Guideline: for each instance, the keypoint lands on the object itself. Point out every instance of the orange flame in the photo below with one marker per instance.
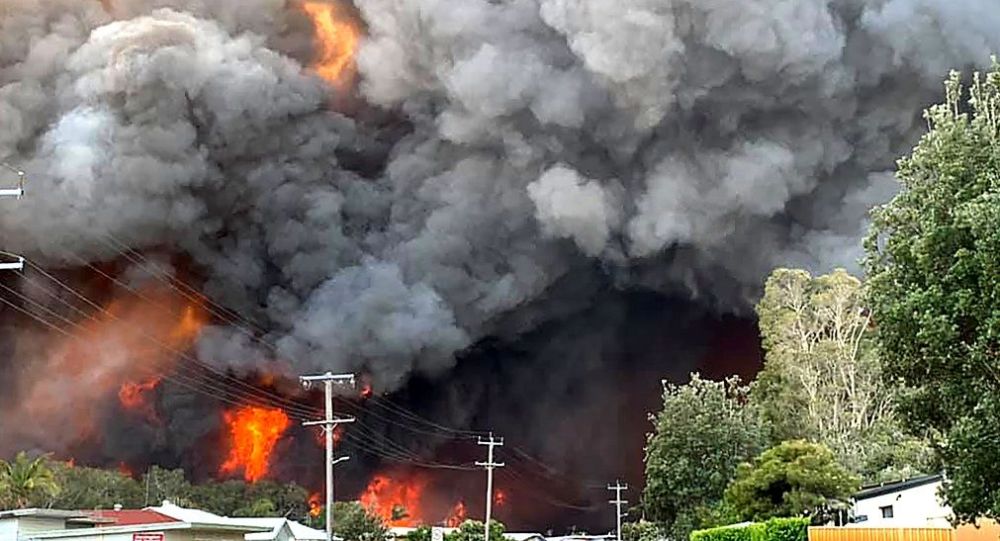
(457, 515)
(124, 469)
(315, 507)
(396, 502)
(337, 39)
(366, 390)
(133, 396)
(253, 433)
(500, 498)
(129, 339)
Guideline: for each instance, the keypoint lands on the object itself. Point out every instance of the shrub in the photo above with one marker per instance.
(775, 529)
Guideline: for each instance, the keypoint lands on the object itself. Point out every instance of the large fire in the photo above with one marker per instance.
(253, 433)
(337, 39)
(134, 339)
(396, 501)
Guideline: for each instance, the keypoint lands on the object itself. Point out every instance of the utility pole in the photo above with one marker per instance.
(16, 193)
(618, 487)
(489, 465)
(329, 422)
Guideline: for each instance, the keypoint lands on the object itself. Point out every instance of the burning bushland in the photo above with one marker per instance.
(517, 215)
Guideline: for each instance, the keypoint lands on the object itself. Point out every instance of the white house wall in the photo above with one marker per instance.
(913, 507)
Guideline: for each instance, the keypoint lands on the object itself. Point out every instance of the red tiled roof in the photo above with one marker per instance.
(130, 517)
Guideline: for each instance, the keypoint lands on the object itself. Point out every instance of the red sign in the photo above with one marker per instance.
(156, 536)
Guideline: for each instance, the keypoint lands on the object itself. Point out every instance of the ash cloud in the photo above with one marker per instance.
(680, 145)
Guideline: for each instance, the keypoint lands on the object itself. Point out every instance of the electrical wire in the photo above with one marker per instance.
(184, 381)
(233, 386)
(274, 399)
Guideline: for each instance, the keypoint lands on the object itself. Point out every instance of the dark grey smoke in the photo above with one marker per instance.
(681, 146)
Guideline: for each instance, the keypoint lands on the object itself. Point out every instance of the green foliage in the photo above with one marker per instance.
(775, 529)
(25, 480)
(422, 533)
(473, 530)
(352, 522)
(727, 533)
(642, 530)
(933, 261)
(163, 484)
(822, 379)
(794, 478)
(40, 482)
(234, 498)
(703, 433)
(93, 488)
(786, 529)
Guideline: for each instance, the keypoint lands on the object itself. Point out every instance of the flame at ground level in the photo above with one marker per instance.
(396, 501)
(315, 507)
(253, 433)
(337, 39)
(457, 516)
(406, 498)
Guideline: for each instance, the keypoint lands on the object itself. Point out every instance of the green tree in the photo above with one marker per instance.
(822, 378)
(642, 530)
(25, 480)
(793, 478)
(354, 523)
(934, 275)
(704, 431)
(164, 484)
(93, 488)
(422, 533)
(473, 530)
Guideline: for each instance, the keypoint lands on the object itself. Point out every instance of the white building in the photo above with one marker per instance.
(910, 503)
(165, 523)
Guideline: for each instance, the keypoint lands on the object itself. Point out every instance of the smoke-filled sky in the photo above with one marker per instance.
(682, 146)
(489, 167)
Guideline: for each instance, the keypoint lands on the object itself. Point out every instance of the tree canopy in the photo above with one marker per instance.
(352, 522)
(41, 482)
(24, 480)
(793, 478)
(704, 431)
(822, 378)
(933, 262)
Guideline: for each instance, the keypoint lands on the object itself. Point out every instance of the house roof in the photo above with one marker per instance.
(299, 531)
(135, 528)
(897, 486)
(518, 536)
(42, 513)
(268, 528)
(128, 517)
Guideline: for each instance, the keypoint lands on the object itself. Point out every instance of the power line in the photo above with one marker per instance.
(250, 394)
(257, 392)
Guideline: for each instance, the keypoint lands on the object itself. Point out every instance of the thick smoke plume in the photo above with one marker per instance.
(493, 158)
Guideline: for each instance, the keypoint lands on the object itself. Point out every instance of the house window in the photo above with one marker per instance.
(886, 511)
